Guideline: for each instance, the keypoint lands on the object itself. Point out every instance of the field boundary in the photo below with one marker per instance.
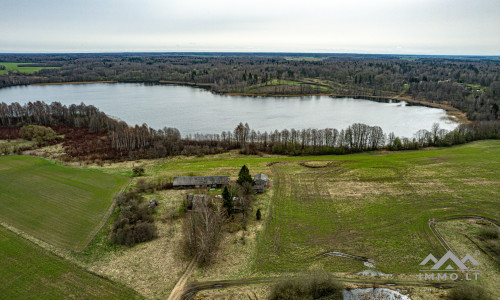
(103, 221)
(61, 254)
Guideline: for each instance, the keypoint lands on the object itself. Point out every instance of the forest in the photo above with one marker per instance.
(89, 134)
(470, 84)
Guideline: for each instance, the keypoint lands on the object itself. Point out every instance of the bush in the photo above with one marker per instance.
(468, 292)
(317, 285)
(40, 134)
(138, 171)
(135, 223)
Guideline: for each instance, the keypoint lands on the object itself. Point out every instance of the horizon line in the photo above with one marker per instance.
(249, 52)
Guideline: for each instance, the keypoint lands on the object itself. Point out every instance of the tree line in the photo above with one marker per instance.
(118, 139)
(471, 84)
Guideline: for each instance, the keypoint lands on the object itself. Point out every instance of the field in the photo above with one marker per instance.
(60, 205)
(27, 270)
(375, 205)
(19, 68)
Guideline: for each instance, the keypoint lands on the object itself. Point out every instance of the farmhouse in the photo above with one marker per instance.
(260, 182)
(195, 201)
(192, 182)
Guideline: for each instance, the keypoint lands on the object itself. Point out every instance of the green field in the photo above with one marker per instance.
(59, 205)
(375, 205)
(27, 271)
(10, 66)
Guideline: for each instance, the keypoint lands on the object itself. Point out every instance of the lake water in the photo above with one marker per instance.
(193, 110)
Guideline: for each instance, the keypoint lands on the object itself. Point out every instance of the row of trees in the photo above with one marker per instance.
(142, 141)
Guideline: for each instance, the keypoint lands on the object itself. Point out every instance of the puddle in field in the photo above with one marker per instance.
(374, 294)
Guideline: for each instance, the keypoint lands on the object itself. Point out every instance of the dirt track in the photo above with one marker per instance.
(178, 289)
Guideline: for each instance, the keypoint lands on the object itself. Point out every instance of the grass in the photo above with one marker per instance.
(59, 205)
(376, 206)
(14, 145)
(464, 237)
(17, 67)
(28, 271)
(373, 204)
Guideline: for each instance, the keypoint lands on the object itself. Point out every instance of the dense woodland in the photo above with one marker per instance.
(470, 84)
(89, 134)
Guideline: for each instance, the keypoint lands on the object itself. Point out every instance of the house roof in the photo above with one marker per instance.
(200, 180)
(260, 176)
(198, 200)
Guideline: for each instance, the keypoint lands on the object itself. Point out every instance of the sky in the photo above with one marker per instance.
(441, 27)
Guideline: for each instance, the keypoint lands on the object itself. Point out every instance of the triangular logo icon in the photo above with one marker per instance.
(449, 256)
(426, 260)
(471, 259)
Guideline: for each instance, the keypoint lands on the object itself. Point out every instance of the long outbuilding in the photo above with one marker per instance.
(191, 182)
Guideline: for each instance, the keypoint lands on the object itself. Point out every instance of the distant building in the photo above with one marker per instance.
(261, 181)
(237, 204)
(195, 201)
(192, 182)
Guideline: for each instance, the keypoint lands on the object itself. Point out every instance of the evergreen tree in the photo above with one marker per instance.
(228, 201)
(244, 176)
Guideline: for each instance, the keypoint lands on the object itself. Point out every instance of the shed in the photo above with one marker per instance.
(190, 182)
(261, 181)
(199, 200)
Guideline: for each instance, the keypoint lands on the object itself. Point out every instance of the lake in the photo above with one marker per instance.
(195, 110)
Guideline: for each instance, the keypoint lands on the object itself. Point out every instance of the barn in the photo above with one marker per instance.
(191, 182)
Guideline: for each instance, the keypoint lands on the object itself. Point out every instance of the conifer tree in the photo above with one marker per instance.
(244, 176)
(228, 201)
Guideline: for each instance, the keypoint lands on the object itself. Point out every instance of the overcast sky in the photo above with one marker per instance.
(360, 26)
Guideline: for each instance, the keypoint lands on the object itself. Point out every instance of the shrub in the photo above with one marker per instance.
(135, 223)
(40, 134)
(468, 292)
(138, 171)
(316, 285)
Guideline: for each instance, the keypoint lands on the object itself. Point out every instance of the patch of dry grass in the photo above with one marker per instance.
(458, 234)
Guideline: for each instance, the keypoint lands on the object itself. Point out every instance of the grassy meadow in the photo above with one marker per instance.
(59, 205)
(376, 206)
(17, 67)
(28, 271)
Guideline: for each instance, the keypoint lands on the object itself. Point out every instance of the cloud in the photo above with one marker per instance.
(388, 26)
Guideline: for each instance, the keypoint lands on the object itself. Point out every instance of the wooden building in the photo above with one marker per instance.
(192, 182)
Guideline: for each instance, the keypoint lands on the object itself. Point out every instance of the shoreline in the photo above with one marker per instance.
(453, 113)
(74, 82)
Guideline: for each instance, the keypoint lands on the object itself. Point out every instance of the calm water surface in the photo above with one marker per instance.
(193, 110)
